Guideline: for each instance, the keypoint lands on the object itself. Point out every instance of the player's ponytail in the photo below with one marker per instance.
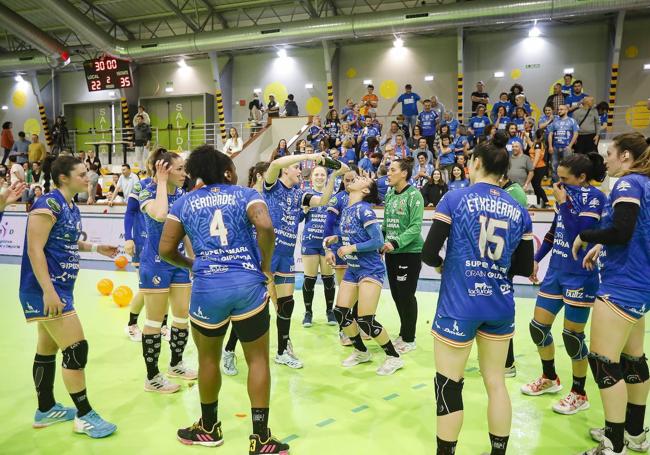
(591, 165)
(161, 154)
(494, 156)
(598, 170)
(373, 193)
(259, 169)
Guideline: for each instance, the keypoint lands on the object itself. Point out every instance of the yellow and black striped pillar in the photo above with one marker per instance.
(460, 98)
(330, 95)
(222, 117)
(127, 133)
(613, 84)
(44, 124)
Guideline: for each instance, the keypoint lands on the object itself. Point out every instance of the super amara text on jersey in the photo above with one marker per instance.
(485, 265)
(501, 208)
(212, 200)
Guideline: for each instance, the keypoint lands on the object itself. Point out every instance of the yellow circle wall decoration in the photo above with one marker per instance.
(351, 73)
(536, 113)
(388, 89)
(314, 105)
(637, 116)
(32, 125)
(278, 89)
(631, 51)
(19, 98)
(515, 74)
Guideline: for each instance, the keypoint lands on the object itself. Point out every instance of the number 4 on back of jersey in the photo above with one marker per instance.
(218, 228)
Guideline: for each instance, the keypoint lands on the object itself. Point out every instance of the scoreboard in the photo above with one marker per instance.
(107, 73)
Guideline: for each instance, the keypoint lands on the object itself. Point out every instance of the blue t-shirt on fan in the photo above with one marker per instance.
(409, 103)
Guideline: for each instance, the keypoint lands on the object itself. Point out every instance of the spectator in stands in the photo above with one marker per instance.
(36, 174)
(323, 145)
(143, 113)
(256, 113)
(503, 102)
(563, 134)
(389, 155)
(347, 110)
(479, 96)
(234, 145)
(125, 184)
(332, 127)
(301, 147)
(35, 194)
(414, 140)
(575, 99)
(437, 106)
(515, 90)
(346, 134)
(141, 140)
(422, 147)
(457, 179)
(501, 120)
(92, 158)
(368, 131)
(520, 101)
(539, 168)
(409, 102)
(382, 182)
(290, 107)
(6, 140)
(521, 167)
(93, 182)
(401, 149)
(16, 171)
(567, 88)
(427, 120)
(369, 164)
(519, 118)
(513, 136)
(460, 144)
(444, 130)
(404, 128)
(113, 187)
(315, 132)
(446, 157)
(434, 189)
(282, 150)
(273, 108)
(603, 111)
(369, 101)
(349, 153)
(588, 126)
(478, 123)
(461, 160)
(452, 122)
(60, 135)
(556, 99)
(21, 148)
(422, 170)
(36, 150)
(390, 135)
(546, 119)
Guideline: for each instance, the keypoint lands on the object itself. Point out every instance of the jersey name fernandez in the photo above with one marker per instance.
(487, 225)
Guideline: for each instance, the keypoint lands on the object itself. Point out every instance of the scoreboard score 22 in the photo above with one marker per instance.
(107, 73)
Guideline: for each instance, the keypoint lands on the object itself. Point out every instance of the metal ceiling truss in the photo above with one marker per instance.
(178, 10)
(98, 12)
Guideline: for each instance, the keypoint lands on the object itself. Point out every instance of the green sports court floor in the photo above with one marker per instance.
(322, 409)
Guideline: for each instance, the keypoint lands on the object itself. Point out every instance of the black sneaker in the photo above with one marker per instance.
(306, 321)
(198, 435)
(271, 446)
(331, 319)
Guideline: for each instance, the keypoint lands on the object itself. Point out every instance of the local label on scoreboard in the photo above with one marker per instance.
(107, 73)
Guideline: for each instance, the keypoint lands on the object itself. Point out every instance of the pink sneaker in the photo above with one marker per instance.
(571, 404)
(541, 386)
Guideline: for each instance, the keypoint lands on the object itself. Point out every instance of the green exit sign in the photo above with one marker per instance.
(533, 66)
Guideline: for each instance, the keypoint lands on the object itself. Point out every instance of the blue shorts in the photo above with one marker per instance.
(576, 293)
(630, 304)
(213, 307)
(307, 251)
(356, 275)
(460, 334)
(283, 269)
(34, 309)
(159, 279)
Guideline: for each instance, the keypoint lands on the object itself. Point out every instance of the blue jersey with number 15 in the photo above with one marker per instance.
(487, 225)
(215, 220)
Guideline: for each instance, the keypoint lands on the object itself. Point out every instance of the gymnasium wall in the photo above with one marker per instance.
(634, 82)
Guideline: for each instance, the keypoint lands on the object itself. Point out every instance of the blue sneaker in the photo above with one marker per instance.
(306, 321)
(58, 413)
(93, 425)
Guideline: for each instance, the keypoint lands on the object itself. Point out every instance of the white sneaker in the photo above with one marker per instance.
(133, 332)
(160, 384)
(405, 347)
(229, 363)
(398, 341)
(290, 350)
(356, 358)
(638, 443)
(181, 371)
(510, 372)
(571, 404)
(165, 333)
(288, 360)
(541, 386)
(604, 448)
(390, 366)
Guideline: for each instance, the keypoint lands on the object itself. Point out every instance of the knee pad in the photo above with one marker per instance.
(285, 307)
(343, 316)
(75, 356)
(574, 344)
(309, 283)
(606, 373)
(328, 281)
(541, 334)
(449, 395)
(369, 325)
(634, 369)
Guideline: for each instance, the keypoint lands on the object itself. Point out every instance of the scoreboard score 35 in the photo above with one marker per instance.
(107, 73)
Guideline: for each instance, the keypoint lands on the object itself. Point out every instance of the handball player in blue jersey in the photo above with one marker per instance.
(229, 359)
(579, 206)
(48, 273)
(232, 236)
(489, 240)
(313, 253)
(286, 202)
(135, 236)
(161, 282)
(361, 238)
(616, 356)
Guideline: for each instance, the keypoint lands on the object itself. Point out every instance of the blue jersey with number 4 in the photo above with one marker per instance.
(216, 221)
(487, 225)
